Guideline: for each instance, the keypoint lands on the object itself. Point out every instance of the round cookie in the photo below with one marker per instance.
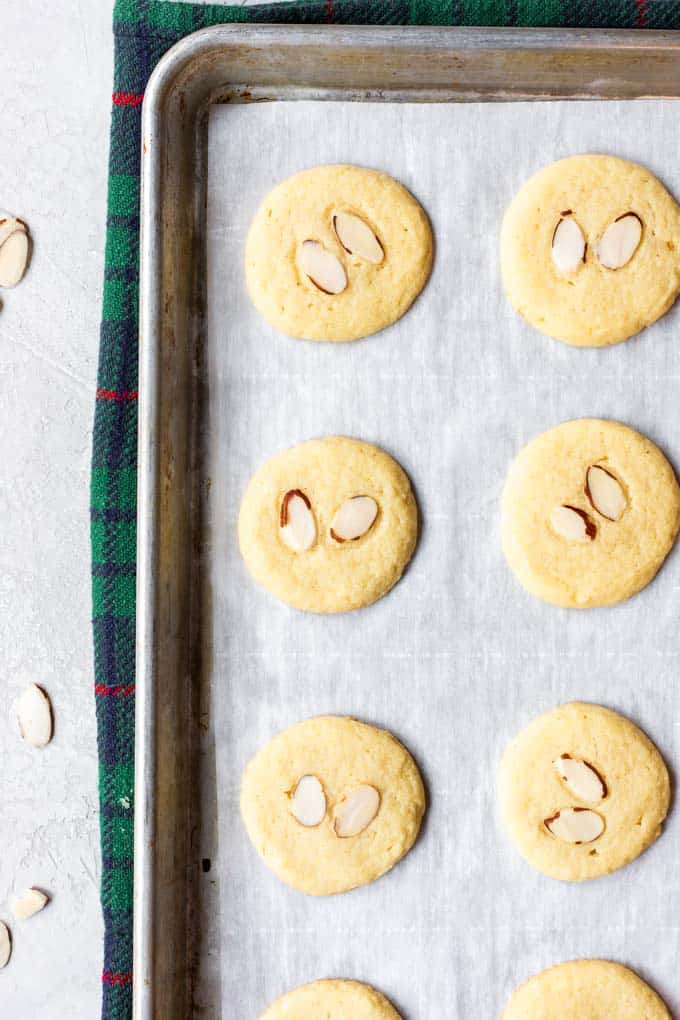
(558, 276)
(332, 1000)
(590, 511)
(331, 804)
(589, 990)
(305, 488)
(307, 223)
(584, 757)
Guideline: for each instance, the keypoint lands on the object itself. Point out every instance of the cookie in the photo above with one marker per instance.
(590, 250)
(582, 792)
(332, 1000)
(590, 511)
(329, 525)
(331, 804)
(337, 253)
(589, 990)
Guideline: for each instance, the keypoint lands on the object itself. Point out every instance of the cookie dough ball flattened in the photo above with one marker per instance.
(329, 525)
(590, 511)
(590, 250)
(332, 1000)
(337, 253)
(582, 792)
(331, 804)
(587, 990)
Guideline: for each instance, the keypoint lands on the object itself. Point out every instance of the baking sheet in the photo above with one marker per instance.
(458, 658)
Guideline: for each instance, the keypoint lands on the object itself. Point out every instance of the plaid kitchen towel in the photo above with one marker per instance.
(144, 31)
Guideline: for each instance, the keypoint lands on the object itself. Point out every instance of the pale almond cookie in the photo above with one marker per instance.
(590, 511)
(582, 792)
(332, 1000)
(586, 990)
(328, 525)
(590, 250)
(337, 253)
(331, 804)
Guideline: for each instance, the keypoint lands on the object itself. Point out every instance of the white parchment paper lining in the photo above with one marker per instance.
(458, 657)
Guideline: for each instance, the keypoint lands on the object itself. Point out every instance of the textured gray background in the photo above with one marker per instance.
(457, 658)
(55, 88)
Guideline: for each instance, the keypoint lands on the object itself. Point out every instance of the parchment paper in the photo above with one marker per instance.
(458, 658)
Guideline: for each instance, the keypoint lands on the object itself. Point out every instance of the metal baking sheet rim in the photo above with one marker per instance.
(242, 63)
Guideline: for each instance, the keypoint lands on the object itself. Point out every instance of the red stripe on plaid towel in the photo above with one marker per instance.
(109, 978)
(118, 395)
(121, 690)
(641, 14)
(127, 98)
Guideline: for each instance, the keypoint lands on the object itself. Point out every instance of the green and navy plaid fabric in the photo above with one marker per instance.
(144, 31)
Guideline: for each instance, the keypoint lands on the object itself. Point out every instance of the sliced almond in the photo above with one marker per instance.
(13, 258)
(9, 224)
(605, 492)
(620, 241)
(576, 825)
(34, 713)
(356, 811)
(572, 524)
(568, 246)
(297, 524)
(32, 902)
(581, 778)
(354, 518)
(5, 945)
(323, 268)
(357, 238)
(308, 804)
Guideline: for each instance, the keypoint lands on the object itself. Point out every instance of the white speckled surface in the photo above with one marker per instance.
(55, 83)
